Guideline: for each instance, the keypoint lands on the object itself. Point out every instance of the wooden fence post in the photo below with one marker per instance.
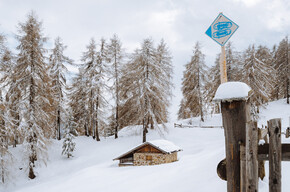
(235, 115)
(252, 157)
(275, 149)
(243, 167)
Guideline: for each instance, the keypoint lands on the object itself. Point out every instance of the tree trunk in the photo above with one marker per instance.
(58, 125)
(97, 120)
(117, 98)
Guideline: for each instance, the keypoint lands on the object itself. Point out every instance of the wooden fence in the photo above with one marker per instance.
(243, 151)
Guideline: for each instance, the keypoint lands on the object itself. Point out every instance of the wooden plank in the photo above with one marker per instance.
(235, 115)
(196, 126)
(243, 168)
(275, 153)
(263, 151)
(252, 157)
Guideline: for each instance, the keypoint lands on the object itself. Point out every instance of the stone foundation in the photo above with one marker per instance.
(153, 158)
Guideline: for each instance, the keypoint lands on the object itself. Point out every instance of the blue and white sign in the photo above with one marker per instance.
(221, 29)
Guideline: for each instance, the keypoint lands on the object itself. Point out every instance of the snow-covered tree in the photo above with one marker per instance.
(94, 74)
(57, 62)
(70, 133)
(78, 103)
(32, 78)
(115, 55)
(232, 61)
(192, 83)
(282, 65)
(211, 85)
(5, 130)
(257, 74)
(146, 86)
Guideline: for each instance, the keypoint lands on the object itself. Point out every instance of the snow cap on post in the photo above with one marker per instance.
(232, 91)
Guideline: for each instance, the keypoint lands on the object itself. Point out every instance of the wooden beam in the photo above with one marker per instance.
(235, 115)
(252, 157)
(275, 154)
(263, 152)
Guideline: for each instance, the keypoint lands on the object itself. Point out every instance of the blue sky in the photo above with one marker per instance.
(180, 22)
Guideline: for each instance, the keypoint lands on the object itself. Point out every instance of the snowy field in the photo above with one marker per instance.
(92, 168)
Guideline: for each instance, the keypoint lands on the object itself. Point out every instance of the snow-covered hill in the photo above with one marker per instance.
(92, 168)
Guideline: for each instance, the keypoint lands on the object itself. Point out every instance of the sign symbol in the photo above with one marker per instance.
(222, 25)
(221, 29)
(221, 33)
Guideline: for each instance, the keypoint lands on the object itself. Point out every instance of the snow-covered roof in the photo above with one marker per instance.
(164, 146)
(232, 91)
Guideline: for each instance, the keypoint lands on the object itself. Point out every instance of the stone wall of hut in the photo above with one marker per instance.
(153, 158)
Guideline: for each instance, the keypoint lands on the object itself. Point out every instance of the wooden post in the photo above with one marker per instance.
(235, 114)
(243, 167)
(252, 157)
(223, 66)
(275, 149)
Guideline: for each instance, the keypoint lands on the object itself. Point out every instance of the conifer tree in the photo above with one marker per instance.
(146, 85)
(32, 78)
(12, 97)
(211, 85)
(94, 74)
(5, 131)
(70, 133)
(115, 54)
(78, 103)
(257, 74)
(193, 79)
(57, 61)
(232, 59)
(282, 65)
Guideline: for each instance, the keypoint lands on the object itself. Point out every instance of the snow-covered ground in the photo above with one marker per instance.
(92, 168)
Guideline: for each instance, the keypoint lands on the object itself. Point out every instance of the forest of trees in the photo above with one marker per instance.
(39, 104)
(266, 71)
(113, 89)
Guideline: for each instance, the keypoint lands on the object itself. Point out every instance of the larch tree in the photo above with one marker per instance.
(94, 73)
(163, 87)
(70, 133)
(90, 59)
(192, 83)
(32, 78)
(57, 61)
(232, 60)
(282, 65)
(77, 95)
(257, 74)
(115, 56)
(5, 130)
(146, 85)
(211, 85)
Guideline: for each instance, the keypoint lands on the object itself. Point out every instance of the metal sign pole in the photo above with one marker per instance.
(223, 66)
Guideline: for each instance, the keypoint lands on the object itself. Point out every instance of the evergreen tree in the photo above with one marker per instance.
(257, 74)
(70, 132)
(232, 60)
(77, 103)
(282, 65)
(146, 85)
(32, 78)
(94, 74)
(211, 85)
(57, 61)
(193, 79)
(115, 54)
(5, 131)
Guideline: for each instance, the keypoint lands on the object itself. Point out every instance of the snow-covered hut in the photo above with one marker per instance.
(150, 153)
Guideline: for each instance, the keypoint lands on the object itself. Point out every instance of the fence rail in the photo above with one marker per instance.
(176, 125)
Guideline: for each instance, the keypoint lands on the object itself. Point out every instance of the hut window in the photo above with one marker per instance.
(148, 158)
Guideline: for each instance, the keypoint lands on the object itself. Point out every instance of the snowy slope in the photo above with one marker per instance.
(92, 169)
